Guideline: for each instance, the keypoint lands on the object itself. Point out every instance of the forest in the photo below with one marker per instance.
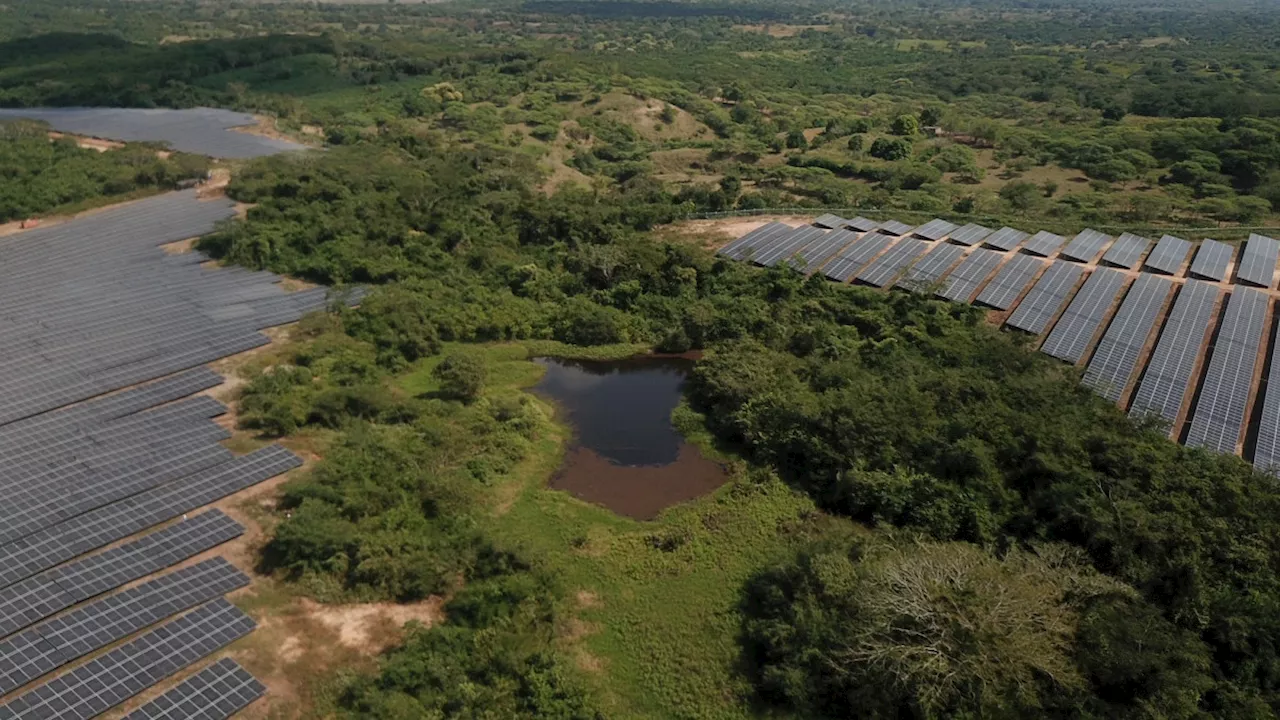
(924, 519)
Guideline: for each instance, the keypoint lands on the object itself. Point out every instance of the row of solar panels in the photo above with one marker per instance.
(1113, 323)
(811, 248)
(103, 342)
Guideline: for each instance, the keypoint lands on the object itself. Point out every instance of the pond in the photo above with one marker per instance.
(625, 453)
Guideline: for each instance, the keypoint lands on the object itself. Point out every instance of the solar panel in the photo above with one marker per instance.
(215, 693)
(1169, 255)
(738, 249)
(926, 273)
(886, 268)
(780, 249)
(893, 227)
(1006, 238)
(1258, 261)
(110, 679)
(848, 261)
(1085, 246)
(970, 234)
(1218, 419)
(1164, 387)
(861, 224)
(823, 249)
(829, 221)
(1009, 283)
(935, 229)
(1044, 243)
(964, 281)
(46, 647)
(1039, 307)
(1211, 260)
(1266, 454)
(1080, 322)
(1116, 359)
(1127, 251)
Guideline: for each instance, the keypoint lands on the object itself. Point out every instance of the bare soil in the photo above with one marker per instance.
(638, 492)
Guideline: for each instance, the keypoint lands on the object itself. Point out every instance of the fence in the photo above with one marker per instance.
(1217, 231)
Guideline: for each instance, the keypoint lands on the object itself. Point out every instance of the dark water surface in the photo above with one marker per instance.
(625, 453)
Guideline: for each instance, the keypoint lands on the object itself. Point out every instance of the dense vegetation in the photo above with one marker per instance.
(969, 533)
(38, 175)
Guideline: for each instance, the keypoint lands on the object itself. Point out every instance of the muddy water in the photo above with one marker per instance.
(625, 454)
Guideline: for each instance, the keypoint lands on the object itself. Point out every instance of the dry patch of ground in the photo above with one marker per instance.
(780, 31)
(89, 143)
(716, 233)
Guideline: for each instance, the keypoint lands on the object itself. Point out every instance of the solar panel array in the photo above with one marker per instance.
(895, 255)
(1116, 360)
(1126, 251)
(1039, 307)
(1164, 387)
(1169, 255)
(104, 336)
(1043, 243)
(781, 248)
(970, 234)
(112, 678)
(740, 249)
(1219, 415)
(1006, 238)
(886, 268)
(964, 281)
(1072, 334)
(1085, 246)
(1211, 260)
(204, 131)
(1258, 261)
(861, 224)
(893, 227)
(1009, 283)
(1266, 454)
(925, 273)
(215, 693)
(935, 229)
(829, 221)
(848, 261)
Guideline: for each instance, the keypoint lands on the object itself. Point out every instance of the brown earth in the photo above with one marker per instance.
(639, 492)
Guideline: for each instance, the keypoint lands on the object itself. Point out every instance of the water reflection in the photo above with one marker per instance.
(625, 453)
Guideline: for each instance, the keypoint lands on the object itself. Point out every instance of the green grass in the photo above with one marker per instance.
(655, 633)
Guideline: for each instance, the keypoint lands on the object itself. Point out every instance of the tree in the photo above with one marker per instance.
(1021, 195)
(905, 125)
(887, 148)
(856, 143)
(926, 630)
(797, 140)
(931, 116)
(461, 376)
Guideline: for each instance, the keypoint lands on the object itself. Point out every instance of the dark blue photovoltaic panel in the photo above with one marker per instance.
(849, 261)
(936, 229)
(1218, 420)
(1258, 261)
(1211, 260)
(829, 221)
(888, 266)
(1116, 360)
(964, 281)
(1080, 322)
(1039, 307)
(970, 234)
(739, 248)
(929, 269)
(1006, 238)
(1166, 383)
(1043, 243)
(1127, 251)
(1085, 246)
(1009, 283)
(1168, 256)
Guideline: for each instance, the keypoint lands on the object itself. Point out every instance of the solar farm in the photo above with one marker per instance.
(113, 461)
(1169, 328)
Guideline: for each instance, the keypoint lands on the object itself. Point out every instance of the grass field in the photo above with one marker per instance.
(655, 601)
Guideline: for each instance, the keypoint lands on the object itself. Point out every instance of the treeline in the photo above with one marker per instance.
(39, 175)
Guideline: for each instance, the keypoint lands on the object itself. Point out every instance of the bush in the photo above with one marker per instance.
(891, 148)
(461, 376)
